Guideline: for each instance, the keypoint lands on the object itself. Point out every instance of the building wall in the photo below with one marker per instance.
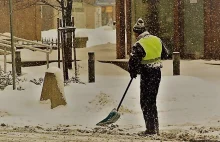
(212, 29)
(79, 14)
(86, 15)
(166, 20)
(26, 19)
(90, 16)
(98, 17)
(193, 24)
(48, 18)
(194, 28)
(108, 15)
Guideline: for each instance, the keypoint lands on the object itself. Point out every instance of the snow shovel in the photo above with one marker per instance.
(114, 115)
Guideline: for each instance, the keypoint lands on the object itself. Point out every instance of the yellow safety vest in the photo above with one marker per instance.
(153, 47)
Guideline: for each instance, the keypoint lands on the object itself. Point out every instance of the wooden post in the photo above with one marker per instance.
(74, 49)
(58, 39)
(52, 42)
(176, 63)
(128, 29)
(120, 29)
(91, 67)
(5, 60)
(18, 62)
(48, 58)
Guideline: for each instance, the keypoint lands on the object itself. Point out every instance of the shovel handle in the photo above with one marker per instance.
(124, 94)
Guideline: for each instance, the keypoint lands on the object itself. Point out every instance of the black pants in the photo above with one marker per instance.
(149, 85)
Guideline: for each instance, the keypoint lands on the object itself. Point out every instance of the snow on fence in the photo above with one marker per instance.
(79, 42)
(4, 42)
(50, 42)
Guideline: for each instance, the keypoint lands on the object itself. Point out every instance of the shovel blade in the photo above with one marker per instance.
(113, 116)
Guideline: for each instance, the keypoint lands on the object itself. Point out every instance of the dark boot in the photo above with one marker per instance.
(146, 133)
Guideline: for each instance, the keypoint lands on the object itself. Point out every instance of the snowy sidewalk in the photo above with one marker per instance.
(184, 103)
(197, 68)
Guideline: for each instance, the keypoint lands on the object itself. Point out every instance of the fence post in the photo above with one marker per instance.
(5, 60)
(91, 67)
(18, 62)
(176, 63)
(52, 42)
(48, 58)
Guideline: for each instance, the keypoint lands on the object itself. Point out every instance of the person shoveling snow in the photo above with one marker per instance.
(145, 59)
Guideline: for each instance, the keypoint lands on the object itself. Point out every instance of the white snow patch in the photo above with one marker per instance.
(98, 36)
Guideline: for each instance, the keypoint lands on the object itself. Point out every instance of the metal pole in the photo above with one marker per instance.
(74, 48)
(58, 41)
(12, 44)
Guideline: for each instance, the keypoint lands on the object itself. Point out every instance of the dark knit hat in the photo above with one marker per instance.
(139, 26)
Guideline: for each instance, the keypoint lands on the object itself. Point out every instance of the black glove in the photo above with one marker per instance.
(133, 74)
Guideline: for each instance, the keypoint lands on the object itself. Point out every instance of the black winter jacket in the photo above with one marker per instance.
(137, 53)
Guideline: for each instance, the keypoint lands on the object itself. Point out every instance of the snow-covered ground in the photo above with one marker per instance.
(101, 35)
(188, 107)
(184, 103)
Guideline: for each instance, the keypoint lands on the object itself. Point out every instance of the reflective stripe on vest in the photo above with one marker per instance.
(153, 48)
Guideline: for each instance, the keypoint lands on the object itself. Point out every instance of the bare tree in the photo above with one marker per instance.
(65, 6)
(153, 17)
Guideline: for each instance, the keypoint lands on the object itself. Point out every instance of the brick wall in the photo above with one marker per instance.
(26, 19)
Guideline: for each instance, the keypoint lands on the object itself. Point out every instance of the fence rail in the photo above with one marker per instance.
(31, 45)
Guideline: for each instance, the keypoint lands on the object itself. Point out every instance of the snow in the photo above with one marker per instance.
(98, 36)
(183, 101)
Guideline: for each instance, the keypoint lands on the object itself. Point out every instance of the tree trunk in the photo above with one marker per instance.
(153, 18)
(120, 29)
(69, 35)
(178, 27)
(64, 45)
(128, 29)
(67, 16)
